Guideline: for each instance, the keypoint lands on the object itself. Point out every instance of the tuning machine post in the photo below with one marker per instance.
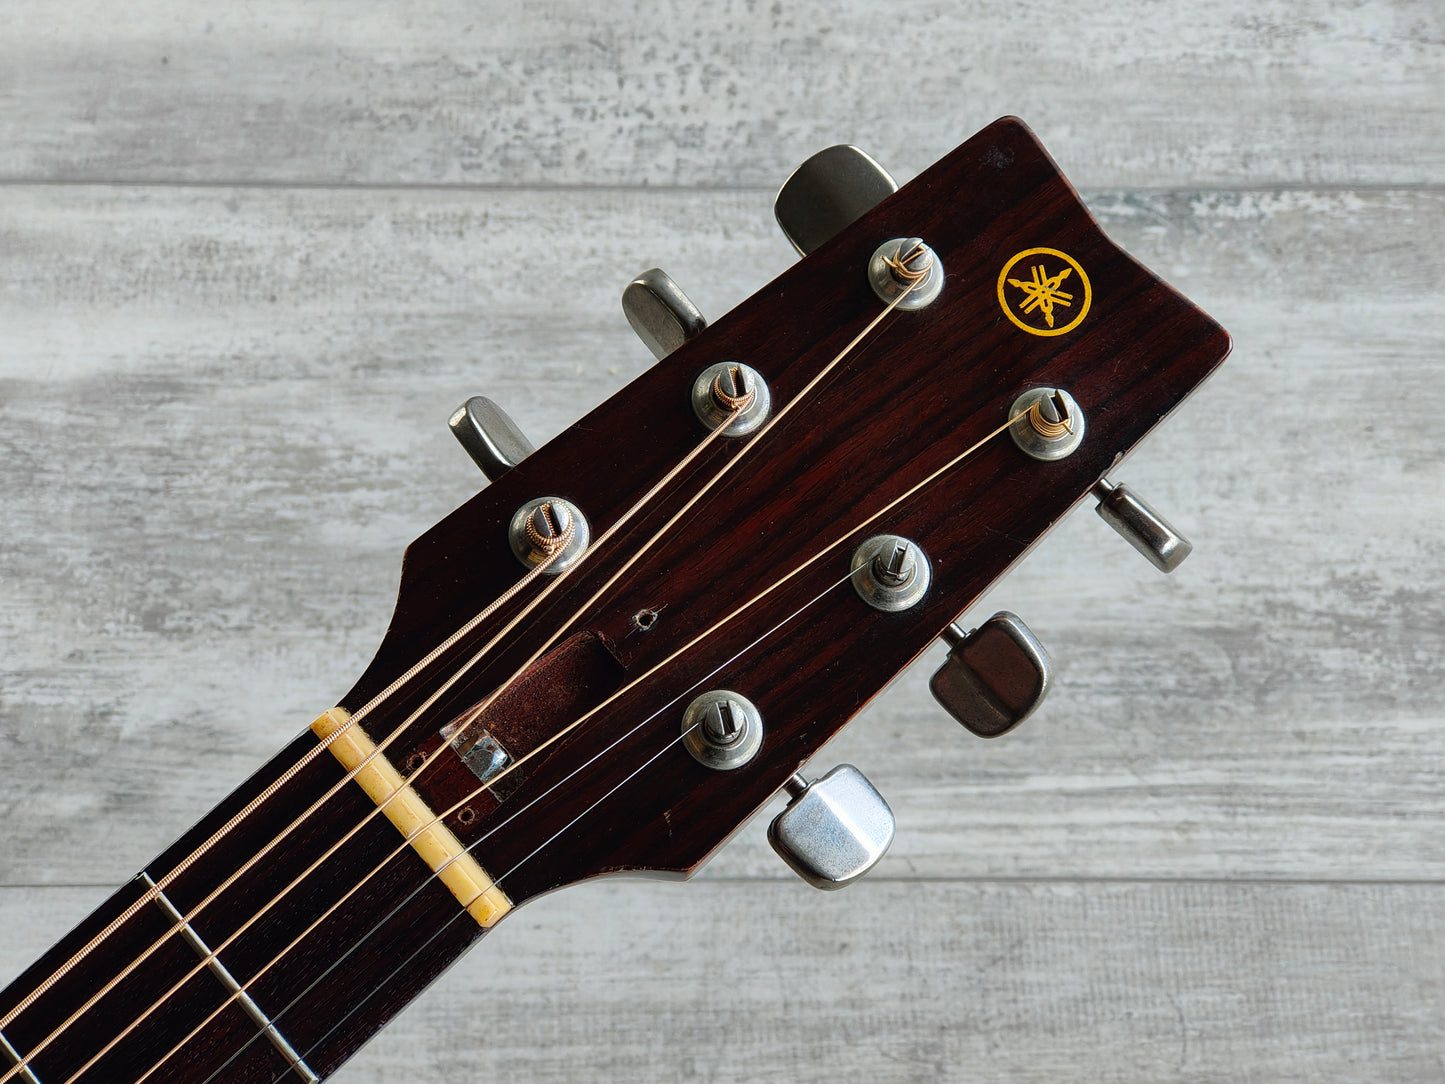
(890, 573)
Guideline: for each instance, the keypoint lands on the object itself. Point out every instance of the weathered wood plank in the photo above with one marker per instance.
(193, 379)
(1230, 93)
(917, 982)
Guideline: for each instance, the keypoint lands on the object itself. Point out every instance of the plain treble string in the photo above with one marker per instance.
(151, 894)
(951, 464)
(451, 921)
(381, 923)
(912, 275)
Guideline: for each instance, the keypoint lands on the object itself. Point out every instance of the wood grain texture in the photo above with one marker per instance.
(160, 524)
(1237, 92)
(1020, 982)
(191, 376)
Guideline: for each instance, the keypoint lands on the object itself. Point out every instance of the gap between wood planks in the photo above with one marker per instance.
(443, 186)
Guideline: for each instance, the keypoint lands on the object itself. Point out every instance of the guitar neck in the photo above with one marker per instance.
(157, 942)
(269, 942)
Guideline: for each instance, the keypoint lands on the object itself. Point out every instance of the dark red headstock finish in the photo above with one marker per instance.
(734, 575)
(620, 792)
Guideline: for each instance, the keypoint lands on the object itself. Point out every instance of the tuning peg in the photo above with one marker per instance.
(995, 675)
(834, 830)
(1142, 527)
(489, 435)
(829, 191)
(662, 315)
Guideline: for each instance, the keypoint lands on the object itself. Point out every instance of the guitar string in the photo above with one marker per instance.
(487, 702)
(475, 793)
(912, 276)
(901, 265)
(446, 925)
(379, 925)
(555, 546)
(438, 933)
(164, 882)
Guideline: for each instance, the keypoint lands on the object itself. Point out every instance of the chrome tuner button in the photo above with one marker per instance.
(903, 262)
(662, 315)
(720, 389)
(1051, 426)
(995, 675)
(1142, 527)
(722, 729)
(834, 830)
(890, 573)
(829, 192)
(539, 521)
(489, 435)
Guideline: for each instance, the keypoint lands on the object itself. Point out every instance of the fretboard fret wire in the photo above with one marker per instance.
(13, 1060)
(238, 993)
(912, 491)
(714, 479)
(351, 774)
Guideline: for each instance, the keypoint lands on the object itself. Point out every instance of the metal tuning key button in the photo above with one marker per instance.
(834, 830)
(995, 675)
(829, 192)
(487, 432)
(662, 315)
(1142, 527)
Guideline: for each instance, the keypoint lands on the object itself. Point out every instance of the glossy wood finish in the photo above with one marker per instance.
(366, 981)
(925, 386)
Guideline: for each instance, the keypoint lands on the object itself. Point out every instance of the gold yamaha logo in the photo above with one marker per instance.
(1044, 291)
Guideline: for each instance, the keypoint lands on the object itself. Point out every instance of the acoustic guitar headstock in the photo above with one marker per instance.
(745, 544)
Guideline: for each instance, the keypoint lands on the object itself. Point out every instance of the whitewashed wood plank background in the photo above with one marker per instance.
(246, 269)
